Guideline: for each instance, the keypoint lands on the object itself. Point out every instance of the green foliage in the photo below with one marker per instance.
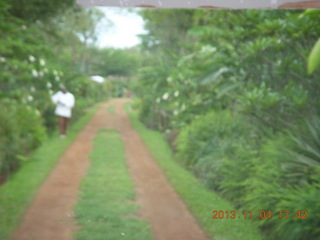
(314, 58)
(115, 62)
(167, 29)
(305, 155)
(153, 78)
(228, 157)
(304, 198)
(256, 66)
(21, 132)
(38, 9)
(264, 182)
(272, 109)
(37, 55)
(250, 65)
(209, 141)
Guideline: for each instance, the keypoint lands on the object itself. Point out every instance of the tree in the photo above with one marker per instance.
(116, 62)
(33, 10)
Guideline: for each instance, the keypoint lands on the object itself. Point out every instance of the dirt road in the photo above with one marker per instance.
(50, 216)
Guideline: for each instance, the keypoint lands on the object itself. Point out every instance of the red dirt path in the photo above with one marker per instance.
(50, 216)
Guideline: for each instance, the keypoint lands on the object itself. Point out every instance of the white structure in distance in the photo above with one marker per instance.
(97, 78)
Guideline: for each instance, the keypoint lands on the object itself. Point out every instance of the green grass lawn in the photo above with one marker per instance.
(106, 208)
(200, 201)
(18, 192)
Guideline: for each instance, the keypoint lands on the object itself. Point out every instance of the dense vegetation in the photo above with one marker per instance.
(43, 46)
(232, 92)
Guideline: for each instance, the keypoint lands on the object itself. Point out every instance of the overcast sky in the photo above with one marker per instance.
(126, 25)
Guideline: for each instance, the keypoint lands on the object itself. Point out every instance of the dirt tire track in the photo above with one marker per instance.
(50, 216)
(160, 204)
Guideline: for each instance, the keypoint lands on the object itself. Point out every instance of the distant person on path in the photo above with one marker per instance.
(64, 101)
(128, 92)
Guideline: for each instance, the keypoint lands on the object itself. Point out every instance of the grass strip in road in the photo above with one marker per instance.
(17, 193)
(106, 208)
(199, 200)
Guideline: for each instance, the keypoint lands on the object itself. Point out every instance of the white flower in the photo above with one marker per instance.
(57, 78)
(30, 98)
(51, 92)
(176, 93)
(169, 79)
(175, 112)
(183, 107)
(32, 89)
(24, 27)
(279, 41)
(122, 234)
(165, 96)
(42, 62)
(55, 72)
(49, 85)
(35, 73)
(2, 59)
(32, 58)
(158, 100)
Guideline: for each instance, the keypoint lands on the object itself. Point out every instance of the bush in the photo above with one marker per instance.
(265, 181)
(258, 174)
(154, 117)
(21, 131)
(295, 199)
(270, 186)
(206, 144)
(305, 153)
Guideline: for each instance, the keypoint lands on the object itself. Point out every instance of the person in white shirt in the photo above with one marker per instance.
(64, 101)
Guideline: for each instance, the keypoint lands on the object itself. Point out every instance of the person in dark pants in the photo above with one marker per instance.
(64, 101)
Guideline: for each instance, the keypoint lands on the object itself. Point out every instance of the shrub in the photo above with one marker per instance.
(206, 144)
(236, 170)
(305, 153)
(295, 199)
(270, 186)
(258, 174)
(21, 131)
